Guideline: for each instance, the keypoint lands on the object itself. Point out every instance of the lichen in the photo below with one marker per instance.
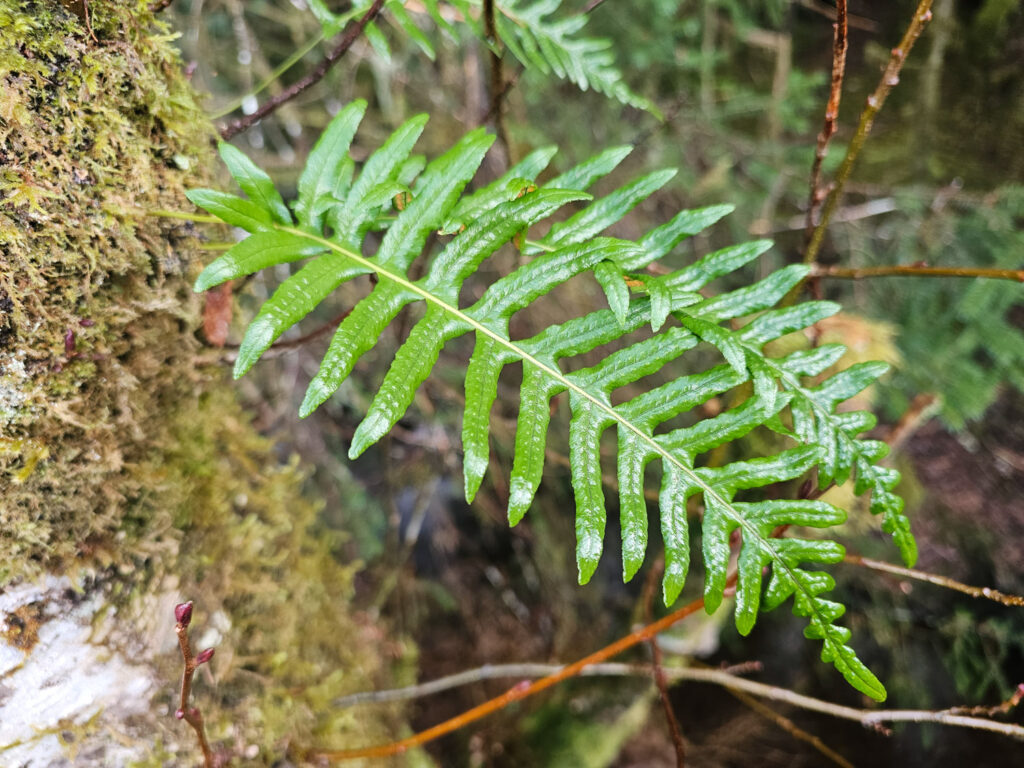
(124, 456)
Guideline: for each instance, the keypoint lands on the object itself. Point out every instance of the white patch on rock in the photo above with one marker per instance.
(69, 685)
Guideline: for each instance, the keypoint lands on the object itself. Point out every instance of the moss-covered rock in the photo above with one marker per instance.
(126, 466)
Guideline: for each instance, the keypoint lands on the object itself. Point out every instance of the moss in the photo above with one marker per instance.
(123, 454)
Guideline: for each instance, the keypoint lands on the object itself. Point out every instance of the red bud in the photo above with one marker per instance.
(204, 656)
(180, 714)
(183, 613)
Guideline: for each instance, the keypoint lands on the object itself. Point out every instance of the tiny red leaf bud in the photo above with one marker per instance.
(180, 714)
(204, 656)
(183, 613)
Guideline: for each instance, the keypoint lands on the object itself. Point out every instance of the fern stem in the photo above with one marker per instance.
(711, 496)
(916, 270)
(162, 214)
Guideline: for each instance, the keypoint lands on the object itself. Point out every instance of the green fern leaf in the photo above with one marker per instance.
(557, 46)
(334, 214)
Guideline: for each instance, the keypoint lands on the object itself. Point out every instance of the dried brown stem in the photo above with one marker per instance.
(874, 719)
(932, 578)
(521, 671)
(660, 681)
(159, 5)
(916, 270)
(498, 86)
(519, 691)
(890, 77)
(840, 44)
(191, 715)
(790, 727)
(352, 33)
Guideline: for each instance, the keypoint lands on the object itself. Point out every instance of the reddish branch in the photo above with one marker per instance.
(840, 44)
(917, 270)
(890, 77)
(191, 715)
(521, 691)
(498, 85)
(352, 34)
(159, 5)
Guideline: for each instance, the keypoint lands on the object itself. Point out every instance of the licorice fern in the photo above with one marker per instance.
(337, 208)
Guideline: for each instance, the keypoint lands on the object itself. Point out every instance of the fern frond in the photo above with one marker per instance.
(530, 31)
(555, 45)
(338, 207)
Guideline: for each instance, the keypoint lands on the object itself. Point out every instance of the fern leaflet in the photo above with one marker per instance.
(336, 210)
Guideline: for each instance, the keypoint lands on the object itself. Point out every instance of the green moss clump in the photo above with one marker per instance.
(123, 454)
(96, 346)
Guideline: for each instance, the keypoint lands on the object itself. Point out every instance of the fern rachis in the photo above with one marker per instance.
(336, 210)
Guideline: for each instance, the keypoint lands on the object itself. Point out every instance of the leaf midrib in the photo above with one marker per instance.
(565, 381)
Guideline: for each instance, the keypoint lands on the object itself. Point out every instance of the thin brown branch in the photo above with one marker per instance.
(999, 709)
(869, 718)
(352, 33)
(916, 270)
(660, 681)
(890, 77)
(791, 728)
(191, 715)
(521, 671)
(520, 691)
(498, 86)
(840, 44)
(159, 5)
(932, 578)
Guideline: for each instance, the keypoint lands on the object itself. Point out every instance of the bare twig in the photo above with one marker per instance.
(660, 681)
(999, 709)
(991, 594)
(790, 727)
(520, 691)
(874, 719)
(352, 33)
(916, 270)
(890, 77)
(498, 85)
(840, 44)
(159, 5)
(503, 671)
(191, 715)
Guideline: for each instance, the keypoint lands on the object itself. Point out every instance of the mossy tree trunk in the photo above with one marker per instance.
(130, 479)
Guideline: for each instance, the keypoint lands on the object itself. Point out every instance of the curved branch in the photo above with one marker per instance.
(518, 692)
(868, 718)
(994, 595)
(351, 35)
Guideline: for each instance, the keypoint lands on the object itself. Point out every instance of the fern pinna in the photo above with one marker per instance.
(328, 226)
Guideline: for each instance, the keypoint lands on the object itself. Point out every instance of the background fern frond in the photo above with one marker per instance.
(555, 45)
(337, 208)
(539, 34)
